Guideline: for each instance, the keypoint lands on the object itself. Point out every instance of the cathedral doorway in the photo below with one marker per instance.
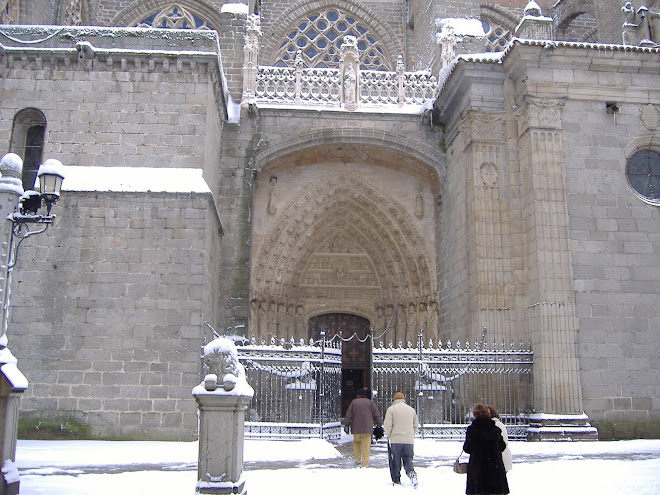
(356, 350)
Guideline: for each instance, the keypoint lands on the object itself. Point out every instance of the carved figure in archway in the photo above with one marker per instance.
(272, 207)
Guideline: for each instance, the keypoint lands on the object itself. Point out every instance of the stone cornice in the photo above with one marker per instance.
(39, 47)
(115, 49)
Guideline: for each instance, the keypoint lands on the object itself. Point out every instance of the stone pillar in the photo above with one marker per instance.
(250, 58)
(551, 307)
(490, 267)
(534, 25)
(12, 381)
(222, 399)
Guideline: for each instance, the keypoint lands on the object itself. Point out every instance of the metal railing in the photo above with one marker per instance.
(444, 383)
(298, 385)
(297, 390)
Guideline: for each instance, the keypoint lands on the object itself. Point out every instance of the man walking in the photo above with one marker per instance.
(400, 427)
(361, 416)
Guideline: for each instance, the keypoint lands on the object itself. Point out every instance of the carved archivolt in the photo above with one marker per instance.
(342, 245)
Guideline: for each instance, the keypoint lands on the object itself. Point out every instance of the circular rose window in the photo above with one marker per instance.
(643, 173)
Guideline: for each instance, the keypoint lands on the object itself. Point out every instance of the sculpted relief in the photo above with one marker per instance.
(340, 245)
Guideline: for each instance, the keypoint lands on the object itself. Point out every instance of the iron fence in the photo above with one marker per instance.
(296, 389)
(444, 382)
(298, 385)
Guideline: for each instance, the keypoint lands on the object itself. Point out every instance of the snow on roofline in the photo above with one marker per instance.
(134, 179)
(497, 57)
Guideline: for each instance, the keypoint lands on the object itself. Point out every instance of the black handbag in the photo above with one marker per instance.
(379, 432)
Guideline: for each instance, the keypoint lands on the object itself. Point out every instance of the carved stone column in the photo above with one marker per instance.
(12, 381)
(551, 307)
(490, 269)
(250, 62)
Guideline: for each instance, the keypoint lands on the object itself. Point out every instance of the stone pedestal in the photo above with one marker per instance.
(12, 384)
(220, 464)
(222, 398)
(564, 427)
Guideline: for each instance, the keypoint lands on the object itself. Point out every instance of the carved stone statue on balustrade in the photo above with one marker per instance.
(653, 17)
(250, 53)
(641, 26)
(349, 67)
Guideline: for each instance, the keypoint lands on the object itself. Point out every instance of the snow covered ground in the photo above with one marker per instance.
(322, 468)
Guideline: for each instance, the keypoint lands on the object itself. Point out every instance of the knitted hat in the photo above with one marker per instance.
(362, 393)
(398, 395)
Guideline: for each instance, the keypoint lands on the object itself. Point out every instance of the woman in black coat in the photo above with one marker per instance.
(483, 441)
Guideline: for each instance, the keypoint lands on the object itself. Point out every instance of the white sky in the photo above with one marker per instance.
(541, 468)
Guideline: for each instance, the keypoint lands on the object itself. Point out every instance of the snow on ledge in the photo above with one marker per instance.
(234, 8)
(14, 376)
(134, 179)
(557, 417)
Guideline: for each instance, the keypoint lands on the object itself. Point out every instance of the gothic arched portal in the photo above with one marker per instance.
(341, 244)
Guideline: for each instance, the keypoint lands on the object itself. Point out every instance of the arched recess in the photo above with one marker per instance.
(137, 11)
(28, 137)
(366, 146)
(278, 29)
(574, 20)
(343, 245)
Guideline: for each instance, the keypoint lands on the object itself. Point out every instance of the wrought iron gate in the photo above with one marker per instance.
(444, 383)
(296, 389)
(298, 385)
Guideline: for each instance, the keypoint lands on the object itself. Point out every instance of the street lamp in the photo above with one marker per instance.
(24, 207)
(51, 176)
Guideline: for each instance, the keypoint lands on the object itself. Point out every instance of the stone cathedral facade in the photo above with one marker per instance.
(271, 168)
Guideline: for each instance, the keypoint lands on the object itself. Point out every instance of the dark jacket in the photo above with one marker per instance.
(486, 473)
(361, 416)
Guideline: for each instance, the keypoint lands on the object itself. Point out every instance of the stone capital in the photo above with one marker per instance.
(539, 113)
(483, 127)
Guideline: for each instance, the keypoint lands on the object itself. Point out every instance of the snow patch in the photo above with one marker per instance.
(134, 179)
(14, 376)
(10, 472)
(234, 8)
(459, 27)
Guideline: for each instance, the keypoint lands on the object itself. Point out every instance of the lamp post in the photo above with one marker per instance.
(24, 213)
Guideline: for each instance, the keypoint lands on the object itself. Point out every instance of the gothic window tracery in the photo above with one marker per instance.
(173, 17)
(8, 11)
(497, 37)
(73, 15)
(319, 37)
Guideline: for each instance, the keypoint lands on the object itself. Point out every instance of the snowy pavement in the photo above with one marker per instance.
(324, 468)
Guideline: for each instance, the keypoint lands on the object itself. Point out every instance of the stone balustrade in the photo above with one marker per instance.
(323, 87)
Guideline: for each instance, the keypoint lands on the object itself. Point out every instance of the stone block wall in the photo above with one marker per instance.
(615, 246)
(108, 312)
(114, 109)
(231, 41)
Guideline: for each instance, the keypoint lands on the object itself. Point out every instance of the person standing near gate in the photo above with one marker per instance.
(486, 474)
(361, 416)
(400, 427)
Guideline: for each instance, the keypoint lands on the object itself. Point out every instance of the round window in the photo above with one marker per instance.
(643, 173)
